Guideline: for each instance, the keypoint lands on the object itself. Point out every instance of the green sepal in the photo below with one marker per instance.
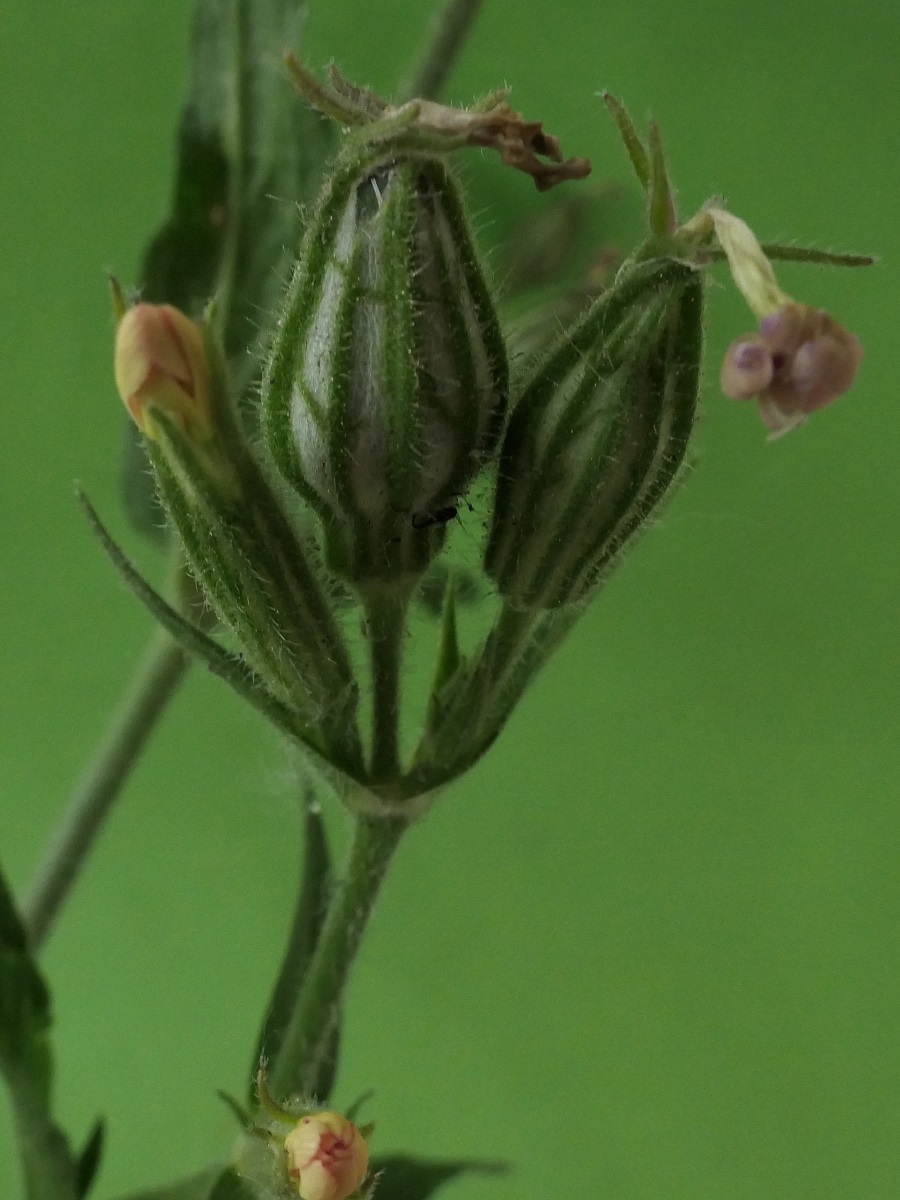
(316, 879)
(661, 202)
(404, 1177)
(48, 1165)
(89, 1159)
(779, 252)
(221, 662)
(450, 666)
(632, 140)
(388, 380)
(579, 438)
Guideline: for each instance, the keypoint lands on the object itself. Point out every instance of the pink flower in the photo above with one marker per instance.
(161, 363)
(800, 360)
(327, 1157)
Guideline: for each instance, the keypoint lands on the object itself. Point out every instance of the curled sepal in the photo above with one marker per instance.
(597, 437)
(428, 125)
(388, 381)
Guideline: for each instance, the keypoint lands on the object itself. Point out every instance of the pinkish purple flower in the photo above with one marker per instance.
(800, 360)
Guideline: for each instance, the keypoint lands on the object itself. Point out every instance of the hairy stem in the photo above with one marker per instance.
(153, 685)
(316, 1016)
(446, 37)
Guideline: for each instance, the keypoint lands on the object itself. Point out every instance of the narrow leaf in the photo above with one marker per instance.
(804, 254)
(277, 148)
(25, 1063)
(406, 1178)
(316, 876)
(89, 1160)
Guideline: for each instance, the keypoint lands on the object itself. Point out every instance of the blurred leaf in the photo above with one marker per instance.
(248, 153)
(182, 261)
(89, 1160)
(315, 885)
(433, 588)
(215, 1183)
(277, 148)
(407, 1178)
(25, 1062)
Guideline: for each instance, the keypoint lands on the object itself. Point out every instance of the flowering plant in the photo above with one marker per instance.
(309, 474)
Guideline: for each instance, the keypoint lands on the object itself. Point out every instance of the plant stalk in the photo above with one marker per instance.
(316, 1016)
(446, 37)
(155, 681)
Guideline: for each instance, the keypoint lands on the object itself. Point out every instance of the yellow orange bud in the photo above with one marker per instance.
(327, 1157)
(161, 363)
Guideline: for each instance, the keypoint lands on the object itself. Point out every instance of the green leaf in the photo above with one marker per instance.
(183, 259)
(406, 1178)
(25, 1062)
(89, 1160)
(803, 254)
(316, 880)
(202, 1186)
(277, 147)
(248, 154)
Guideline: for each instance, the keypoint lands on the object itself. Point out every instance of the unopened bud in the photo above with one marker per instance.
(388, 382)
(161, 365)
(327, 1157)
(598, 437)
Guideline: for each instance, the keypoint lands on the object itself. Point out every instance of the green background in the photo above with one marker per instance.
(649, 948)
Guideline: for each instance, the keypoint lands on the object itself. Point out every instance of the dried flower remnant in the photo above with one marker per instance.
(327, 1157)
(801, 358)
(492, 124)
(161, 363)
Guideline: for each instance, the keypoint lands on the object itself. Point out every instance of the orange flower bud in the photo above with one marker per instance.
(327, 1157)
(161, 363)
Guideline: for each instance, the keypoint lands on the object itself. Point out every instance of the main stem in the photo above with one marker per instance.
(157, 677)
(315, 1018)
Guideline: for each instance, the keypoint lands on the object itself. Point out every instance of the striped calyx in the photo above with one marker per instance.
(598, 437)
(387, 385)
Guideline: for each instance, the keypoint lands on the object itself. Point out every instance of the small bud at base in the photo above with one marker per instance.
(161, 363)
(327, 1157)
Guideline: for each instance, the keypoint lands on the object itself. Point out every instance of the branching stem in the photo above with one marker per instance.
(318, 1009)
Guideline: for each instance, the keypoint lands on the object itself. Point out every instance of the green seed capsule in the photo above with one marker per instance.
(597, 438)
(388, 385)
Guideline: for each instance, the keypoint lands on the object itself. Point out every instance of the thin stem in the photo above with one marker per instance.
(153, 685)
(445, 39)
(315, 1018)
(386, 620)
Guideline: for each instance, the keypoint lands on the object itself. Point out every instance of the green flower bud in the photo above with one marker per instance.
(387, 385)
(598, 437)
